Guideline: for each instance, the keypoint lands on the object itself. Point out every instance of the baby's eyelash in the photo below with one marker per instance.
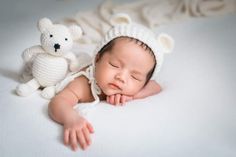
(135, 78)
(116, 66)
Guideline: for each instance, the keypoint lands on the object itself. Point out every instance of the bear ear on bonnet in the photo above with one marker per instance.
(166, 42)
(120, 18)
(44, 24)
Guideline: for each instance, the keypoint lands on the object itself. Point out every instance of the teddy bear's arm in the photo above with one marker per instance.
(73, 61)
(29, 53)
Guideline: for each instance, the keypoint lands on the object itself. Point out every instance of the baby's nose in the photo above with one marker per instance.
(121, 77)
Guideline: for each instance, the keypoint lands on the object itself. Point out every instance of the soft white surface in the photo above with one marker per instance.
(194, 115)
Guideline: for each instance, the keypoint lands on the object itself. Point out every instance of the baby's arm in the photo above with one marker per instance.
(151, 88)
(76, 128)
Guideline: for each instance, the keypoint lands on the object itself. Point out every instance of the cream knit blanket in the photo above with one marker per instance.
(151, 13)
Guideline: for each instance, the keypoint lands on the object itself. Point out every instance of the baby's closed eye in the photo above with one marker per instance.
(138, 78)
(115, 65)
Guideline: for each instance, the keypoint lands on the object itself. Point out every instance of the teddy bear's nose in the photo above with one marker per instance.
(56, 46)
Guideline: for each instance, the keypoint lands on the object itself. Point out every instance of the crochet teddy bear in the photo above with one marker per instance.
(51, 61)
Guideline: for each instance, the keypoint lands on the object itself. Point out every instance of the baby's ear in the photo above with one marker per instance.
(44, 24)
(120, 18)
(75, 31)
(166, 42)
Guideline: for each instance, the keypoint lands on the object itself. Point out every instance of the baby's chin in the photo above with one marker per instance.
(110, 92)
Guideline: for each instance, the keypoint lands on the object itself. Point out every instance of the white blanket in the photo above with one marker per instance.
(151, 13)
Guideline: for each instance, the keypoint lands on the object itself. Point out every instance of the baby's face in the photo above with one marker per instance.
(124, 69)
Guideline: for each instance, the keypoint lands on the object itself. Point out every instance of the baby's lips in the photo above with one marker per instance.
(114, 86)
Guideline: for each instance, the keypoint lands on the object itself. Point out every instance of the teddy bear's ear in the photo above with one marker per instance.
(120, 18)
(43, 24)
(166, 42)
(75, 31)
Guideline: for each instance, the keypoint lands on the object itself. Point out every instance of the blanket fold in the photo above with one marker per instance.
(151, 13)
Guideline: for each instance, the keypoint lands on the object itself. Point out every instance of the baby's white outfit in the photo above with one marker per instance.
(83, 108)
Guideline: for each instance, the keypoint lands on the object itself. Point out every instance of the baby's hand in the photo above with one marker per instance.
(76, 132)
(118, 99)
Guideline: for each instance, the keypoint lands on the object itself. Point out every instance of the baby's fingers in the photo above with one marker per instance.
(81, 139)
(73, 140)
(123, 99)
(111, 99)
(66, 137)
(117, 99)
(90, 128)
(108, 99)
(87, 136)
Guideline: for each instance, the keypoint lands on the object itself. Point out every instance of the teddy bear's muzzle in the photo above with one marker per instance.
(56, 46)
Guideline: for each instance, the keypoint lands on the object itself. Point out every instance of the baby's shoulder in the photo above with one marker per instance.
(80, 82)
(81, 87)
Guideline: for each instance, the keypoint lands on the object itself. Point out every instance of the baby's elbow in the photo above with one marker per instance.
(156, 87)
(51, 108)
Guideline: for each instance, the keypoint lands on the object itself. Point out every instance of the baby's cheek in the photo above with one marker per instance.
(132, 89)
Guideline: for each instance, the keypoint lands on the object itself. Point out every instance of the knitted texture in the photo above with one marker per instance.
(51, 61)
(48, 69)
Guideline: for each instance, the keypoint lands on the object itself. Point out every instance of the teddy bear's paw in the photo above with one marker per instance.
(26, 55)
(24, 90)
(48, 92)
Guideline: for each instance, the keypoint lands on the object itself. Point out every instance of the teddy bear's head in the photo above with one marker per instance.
(57, 39)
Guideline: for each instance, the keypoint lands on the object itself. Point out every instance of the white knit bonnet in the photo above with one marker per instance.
(122, 26)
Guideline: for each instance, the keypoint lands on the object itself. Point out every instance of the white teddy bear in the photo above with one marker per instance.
(51, 61)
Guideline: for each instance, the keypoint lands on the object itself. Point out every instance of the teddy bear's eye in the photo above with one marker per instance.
(66, 39)
(51, 35)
